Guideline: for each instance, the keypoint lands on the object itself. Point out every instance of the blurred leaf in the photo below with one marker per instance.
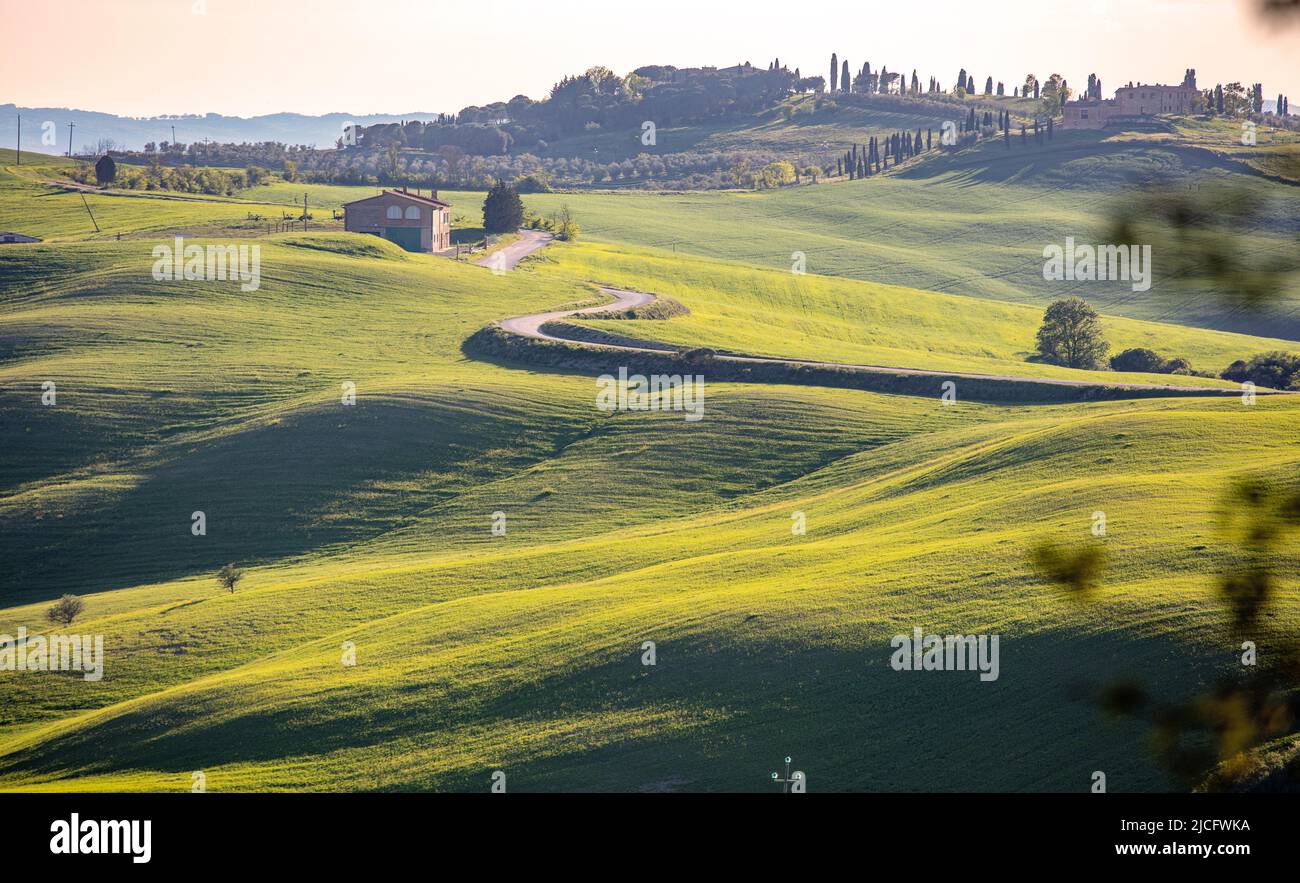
(1077, 571)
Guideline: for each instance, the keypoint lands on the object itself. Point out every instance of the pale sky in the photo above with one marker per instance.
(248, 57)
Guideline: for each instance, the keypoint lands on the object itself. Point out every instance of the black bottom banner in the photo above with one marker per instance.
(138, 832)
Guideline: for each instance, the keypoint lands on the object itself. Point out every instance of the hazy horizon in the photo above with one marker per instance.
(310, 64)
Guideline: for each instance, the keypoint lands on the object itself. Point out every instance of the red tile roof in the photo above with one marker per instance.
(423, 200)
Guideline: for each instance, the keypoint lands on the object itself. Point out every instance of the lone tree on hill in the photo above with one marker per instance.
(566, 229)
(68, 609)
(1072, 336)
(503, 210)
(228, 576)
(105, 170)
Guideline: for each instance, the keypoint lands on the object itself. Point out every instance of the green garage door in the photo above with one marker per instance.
(407, 237)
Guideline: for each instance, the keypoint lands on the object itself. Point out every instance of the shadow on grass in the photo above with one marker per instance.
(744, 698)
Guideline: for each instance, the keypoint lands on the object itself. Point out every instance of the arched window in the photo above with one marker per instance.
(412, 213)
(394, 213)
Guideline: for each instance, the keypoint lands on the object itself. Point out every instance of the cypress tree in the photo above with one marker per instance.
(835, 74)
(844, 77)
(503, 210)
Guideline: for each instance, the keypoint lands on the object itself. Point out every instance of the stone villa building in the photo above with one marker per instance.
(415, 222)
(1129, 104)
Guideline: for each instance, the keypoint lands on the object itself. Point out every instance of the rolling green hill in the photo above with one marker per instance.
(774, 313)
(975, 223)
(371, 523)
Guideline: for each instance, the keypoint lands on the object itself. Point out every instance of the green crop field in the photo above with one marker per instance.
(365, 529)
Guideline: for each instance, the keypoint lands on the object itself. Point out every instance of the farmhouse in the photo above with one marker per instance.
(415, 222)
(1129, 104)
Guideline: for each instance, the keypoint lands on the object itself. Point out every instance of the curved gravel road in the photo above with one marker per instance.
(509, 256)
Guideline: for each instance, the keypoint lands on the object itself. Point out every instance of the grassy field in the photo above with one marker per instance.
(775, 313)
(370, 523)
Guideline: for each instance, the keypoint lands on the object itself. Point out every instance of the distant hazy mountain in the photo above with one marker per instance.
(134, 132)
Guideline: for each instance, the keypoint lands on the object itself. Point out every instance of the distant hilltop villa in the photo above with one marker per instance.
(1130, 103)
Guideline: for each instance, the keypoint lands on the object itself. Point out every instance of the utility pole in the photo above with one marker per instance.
(20, 139)
(304, 211)
(70, 127)
(88, 211)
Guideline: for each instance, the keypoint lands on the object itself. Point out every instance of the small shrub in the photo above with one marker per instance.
(566, 229)
(1274, 370)
(697, 356)
(68, 609)
(1138, 359)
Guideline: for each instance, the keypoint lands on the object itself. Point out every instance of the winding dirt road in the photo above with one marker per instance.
(509, 256)
(531, 326)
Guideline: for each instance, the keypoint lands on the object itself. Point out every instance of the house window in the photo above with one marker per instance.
(1084, 114)
(394, 213)
(412, 213)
